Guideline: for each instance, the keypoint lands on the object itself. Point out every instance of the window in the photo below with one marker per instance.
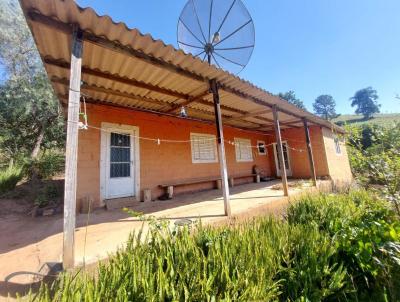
(204, 148)
(262, 149)
(337, 145)
(243, 149)
(120, 155)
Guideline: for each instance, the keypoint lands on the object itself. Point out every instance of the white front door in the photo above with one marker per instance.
(119, 161)
(285, 157)
(120, 167)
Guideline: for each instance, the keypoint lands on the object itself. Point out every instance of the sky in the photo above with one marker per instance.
(313, 47)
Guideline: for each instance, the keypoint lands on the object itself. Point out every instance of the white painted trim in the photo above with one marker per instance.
(247, 141)
(204, 161)
(265, 148)
(289, 171)
(134, 131)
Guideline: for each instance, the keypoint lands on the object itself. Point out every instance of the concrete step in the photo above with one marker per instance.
(119, 203)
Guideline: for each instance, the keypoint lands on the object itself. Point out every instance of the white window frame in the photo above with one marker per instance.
(258, 148)
(237, 145)
(210, 137)
(336, 145)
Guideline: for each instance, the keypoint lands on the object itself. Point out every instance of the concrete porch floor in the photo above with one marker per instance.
(27, 243)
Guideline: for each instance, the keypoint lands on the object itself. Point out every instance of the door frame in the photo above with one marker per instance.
(118, 128)
(289, 171)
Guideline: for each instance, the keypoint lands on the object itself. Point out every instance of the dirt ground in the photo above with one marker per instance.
(27, 243)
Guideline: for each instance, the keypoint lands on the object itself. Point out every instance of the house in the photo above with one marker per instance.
(136, 142)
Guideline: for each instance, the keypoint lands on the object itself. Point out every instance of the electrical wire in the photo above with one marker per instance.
(84, 126)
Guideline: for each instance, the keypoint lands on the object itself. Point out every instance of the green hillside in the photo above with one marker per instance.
(379, 119)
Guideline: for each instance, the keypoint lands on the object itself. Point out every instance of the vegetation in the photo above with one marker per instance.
(386, 120)
(324, 106)
(290, 96)
(330, 248)
(47, 165)
(365, 102)
(9, 178)
(374, 153)
(30, 117)
(49, 193)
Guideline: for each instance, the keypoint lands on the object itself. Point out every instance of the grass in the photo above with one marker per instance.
(379, 119)
(9, 178)
(329, 248)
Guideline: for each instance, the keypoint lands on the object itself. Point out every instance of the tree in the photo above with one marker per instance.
(324, 106)
(365, 101)
(30, 116)
(18, 52)
(290, 96)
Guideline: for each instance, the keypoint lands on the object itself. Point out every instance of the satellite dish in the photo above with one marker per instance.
(220, 32)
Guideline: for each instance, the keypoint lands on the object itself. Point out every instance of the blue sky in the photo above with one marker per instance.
(310, 46)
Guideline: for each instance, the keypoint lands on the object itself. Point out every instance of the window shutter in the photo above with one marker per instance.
(203, 148)
(243, 150)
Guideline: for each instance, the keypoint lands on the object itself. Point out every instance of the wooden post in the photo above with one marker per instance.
(71, 155)
(221, 147)
(280, 150)
(170, 192)
(309, 151)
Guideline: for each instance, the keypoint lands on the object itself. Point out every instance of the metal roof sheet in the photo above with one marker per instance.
(112, 75)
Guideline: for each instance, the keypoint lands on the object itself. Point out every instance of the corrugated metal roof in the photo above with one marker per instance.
(112, 74)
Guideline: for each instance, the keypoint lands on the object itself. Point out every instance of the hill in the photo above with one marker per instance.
(378, 119)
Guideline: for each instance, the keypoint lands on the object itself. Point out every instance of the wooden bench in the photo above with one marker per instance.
(231, 179)
(169, 187)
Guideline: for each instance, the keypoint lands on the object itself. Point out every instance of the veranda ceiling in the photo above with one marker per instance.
(123, 67)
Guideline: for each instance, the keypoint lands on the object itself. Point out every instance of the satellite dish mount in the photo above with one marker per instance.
(219, 31)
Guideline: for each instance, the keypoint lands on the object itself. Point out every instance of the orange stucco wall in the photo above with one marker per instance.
(159, 163)
(298, 156)
(338, 164)
(173, 161)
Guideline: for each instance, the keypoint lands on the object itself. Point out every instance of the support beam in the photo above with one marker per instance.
(71, 154)
(280, 150)
(91, 100)
(250, 114)
(117, 78)
(189, 101)
(112, 92)
(309, 151)
(221, 147)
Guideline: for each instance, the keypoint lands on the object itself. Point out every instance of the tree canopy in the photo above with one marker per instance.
(365, 101)
(290, 96)
(30, 115)
(324, 106)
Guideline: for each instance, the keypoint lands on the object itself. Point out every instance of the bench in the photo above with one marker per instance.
(169, 187)
(231, 179)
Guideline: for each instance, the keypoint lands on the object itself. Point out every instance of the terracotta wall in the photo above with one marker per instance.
(298, 156)
(159, 163)
(172, 161)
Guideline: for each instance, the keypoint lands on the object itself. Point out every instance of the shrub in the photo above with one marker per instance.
(374, 154)
(331, 248)
(9, 178)
(47, 194)
(366, 236)
(47, 165)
